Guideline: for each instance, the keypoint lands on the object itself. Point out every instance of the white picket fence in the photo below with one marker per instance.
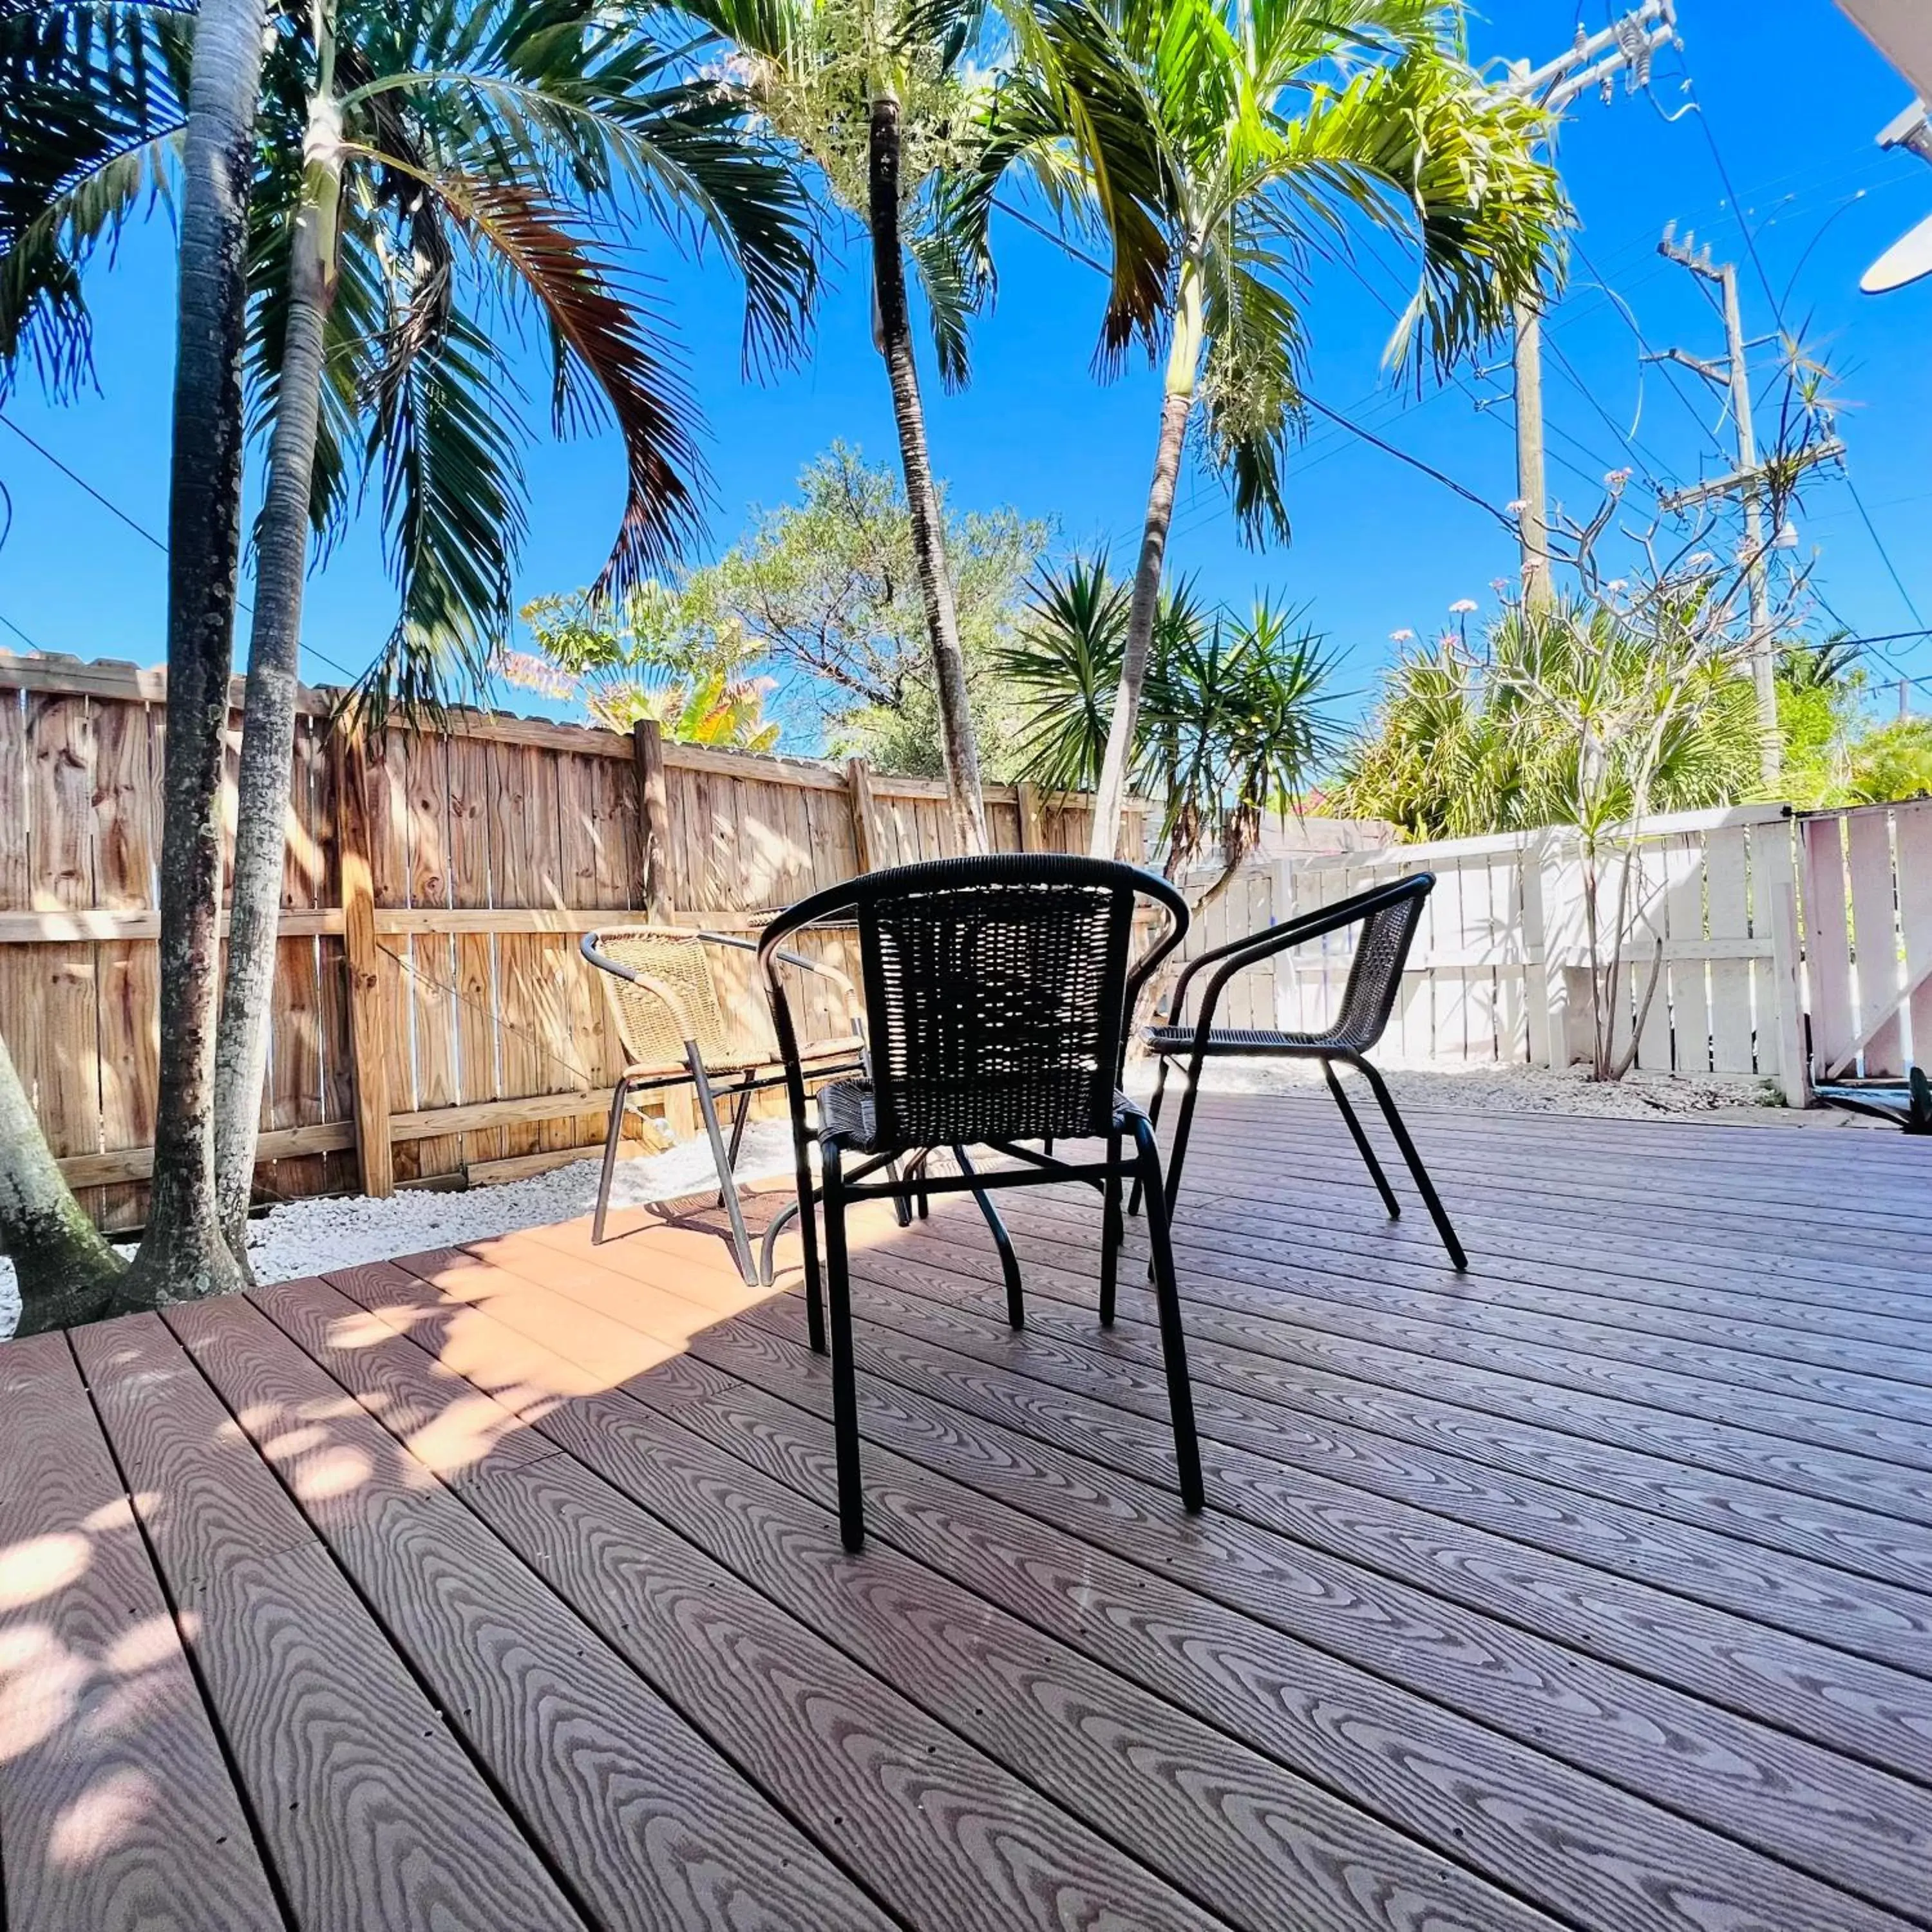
(1499, 971)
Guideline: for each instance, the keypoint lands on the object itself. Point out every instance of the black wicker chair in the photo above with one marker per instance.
(998, 991)
(1388, 915)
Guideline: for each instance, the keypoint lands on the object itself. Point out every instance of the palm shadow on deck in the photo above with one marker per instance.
(501, 1586)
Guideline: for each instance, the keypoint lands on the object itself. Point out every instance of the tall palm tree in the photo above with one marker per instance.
(883, 98)
(422, 164)
(182, 1252)
(1225, 143)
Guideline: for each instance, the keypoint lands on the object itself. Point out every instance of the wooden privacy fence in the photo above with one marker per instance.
(1499, 969)
(431, 1015)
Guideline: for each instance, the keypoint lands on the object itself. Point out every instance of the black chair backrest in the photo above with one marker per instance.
(1389, 916)
(997, 991)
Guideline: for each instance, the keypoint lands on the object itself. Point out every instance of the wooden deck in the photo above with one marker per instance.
(498, 1588)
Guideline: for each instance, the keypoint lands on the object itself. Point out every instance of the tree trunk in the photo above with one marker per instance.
(1177, 400)
(929, 535)
(183, 1255)
(274, 660)
(66, 1271)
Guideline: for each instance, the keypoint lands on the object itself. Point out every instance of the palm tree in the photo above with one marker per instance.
(882, 97)
(421, 165)
(1234, 724)
(1223, 146)
(182, 1252)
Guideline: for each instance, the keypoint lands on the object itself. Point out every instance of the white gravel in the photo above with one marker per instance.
(1485, 1087)
(309, 1237)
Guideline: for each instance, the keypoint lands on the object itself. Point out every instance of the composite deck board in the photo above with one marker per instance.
(650, 1826)
(933, 1826)
(1590, 1590)
(1073, 1394)
(1254, 1843)
(372, 1813)
(117, 1810)
(1843, 1819)
(1867, 1619)
(1584, 1848)
(1309, 1708)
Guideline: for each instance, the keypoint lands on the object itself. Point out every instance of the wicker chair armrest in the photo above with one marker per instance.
(803, 961)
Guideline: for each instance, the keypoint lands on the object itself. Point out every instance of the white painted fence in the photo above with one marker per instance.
(1868, 921)
(1499, 969)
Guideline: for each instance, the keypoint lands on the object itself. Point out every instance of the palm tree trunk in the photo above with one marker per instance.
(275, 657)
(1176, 401)
(183, 1255)
(928, 535)
(66, 1271)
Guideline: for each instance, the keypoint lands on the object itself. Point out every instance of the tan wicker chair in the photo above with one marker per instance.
(664, 998)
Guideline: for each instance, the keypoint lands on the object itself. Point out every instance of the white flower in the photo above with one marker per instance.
(1403, 637)
(1461, 607)
(1516, 506)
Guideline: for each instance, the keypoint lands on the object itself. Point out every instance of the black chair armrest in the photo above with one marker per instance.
(1251, 950)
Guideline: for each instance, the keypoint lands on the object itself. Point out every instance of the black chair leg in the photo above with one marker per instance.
(1173, 1339)
(808, 1234)
(612, 1137)
(707, 1106)
(1183, 1127)
(1009, 1264)
(844, 1384)
(1424, 1186)
(1112, 1231)
(1153, 1116)
(1362, 1146)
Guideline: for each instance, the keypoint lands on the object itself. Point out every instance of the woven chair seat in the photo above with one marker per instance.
(848, 1109)
(1248, 1040)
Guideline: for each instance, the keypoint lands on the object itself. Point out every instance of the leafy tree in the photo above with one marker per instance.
(1224, 146)
(1837, 752)
(825, 592)
(1234, 724)
(887, 100)
(433, 182)
(634, 661)
(1591, 715)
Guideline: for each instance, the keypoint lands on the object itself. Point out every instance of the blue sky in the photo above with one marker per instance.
(1791, 106)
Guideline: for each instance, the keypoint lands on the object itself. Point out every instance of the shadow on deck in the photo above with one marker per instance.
(500, 1587)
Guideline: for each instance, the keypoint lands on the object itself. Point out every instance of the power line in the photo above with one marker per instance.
(140, 529)
(1878, 544)
(18, 633)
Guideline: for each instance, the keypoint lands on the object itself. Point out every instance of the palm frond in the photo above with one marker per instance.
(601, 355)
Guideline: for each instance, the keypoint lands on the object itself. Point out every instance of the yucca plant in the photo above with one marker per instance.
(1235, 724)
(434, 182)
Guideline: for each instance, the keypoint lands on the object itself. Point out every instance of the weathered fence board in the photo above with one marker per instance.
(431, 1015)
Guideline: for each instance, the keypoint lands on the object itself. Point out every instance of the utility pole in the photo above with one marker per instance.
(1595, 60)
(1746, 482)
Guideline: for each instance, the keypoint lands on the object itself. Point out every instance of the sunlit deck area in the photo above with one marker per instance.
(499, 1587)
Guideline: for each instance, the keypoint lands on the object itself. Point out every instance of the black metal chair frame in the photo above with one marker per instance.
(1237, 956)
(844, 1112)
(749, 1079)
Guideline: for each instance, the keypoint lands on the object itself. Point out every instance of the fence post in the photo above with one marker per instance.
(1771, 851)
(368, 1065)
(653, 817)
(1033, 818)
(866, 841)
(1537, 980)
